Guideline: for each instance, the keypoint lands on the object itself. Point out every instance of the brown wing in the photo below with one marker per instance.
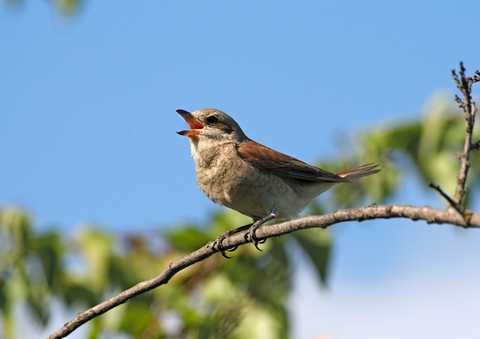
(267, 160)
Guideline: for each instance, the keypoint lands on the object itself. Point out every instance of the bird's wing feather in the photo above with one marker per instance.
(267, 160)
(360, 171)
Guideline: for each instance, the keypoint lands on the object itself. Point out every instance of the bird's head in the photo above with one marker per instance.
(211, 124)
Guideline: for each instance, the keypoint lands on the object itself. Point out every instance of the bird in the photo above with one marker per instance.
(259, 182)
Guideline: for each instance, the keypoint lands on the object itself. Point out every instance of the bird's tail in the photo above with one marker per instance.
(359, 172)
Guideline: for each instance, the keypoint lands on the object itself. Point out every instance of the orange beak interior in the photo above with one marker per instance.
(193, 123)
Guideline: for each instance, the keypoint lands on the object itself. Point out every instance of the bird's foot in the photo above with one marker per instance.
(218, 242)
(249, 236)
(255, 226)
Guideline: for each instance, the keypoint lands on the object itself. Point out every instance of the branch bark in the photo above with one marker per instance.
(426, 213)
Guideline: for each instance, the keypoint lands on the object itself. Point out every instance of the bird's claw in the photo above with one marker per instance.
(256, 225)
(253, 238)
(217, 244)
(249, 236)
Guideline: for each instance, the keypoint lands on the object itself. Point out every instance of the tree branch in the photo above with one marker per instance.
(429, 214)
(464, 84)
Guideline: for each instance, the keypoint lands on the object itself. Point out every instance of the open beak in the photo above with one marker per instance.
(193, 123)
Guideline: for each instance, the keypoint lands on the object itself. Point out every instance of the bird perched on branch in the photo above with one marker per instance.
(237, 172)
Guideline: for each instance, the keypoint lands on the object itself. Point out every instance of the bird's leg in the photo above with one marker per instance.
(251, 232)
(255, 226)
(218, 242)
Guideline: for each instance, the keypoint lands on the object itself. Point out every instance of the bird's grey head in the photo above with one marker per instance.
(213, 124)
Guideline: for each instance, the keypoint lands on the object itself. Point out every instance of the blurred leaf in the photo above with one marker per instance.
(316, 244)
(95, 329)
(221, 322)
(50, 250)
(137, 318)
(187, 239)
(65, 7)
(16, 228)
(68, 6)
(97, 247)
(78, 293)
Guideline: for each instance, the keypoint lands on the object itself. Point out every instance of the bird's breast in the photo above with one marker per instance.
(219, 171)
(230, 181)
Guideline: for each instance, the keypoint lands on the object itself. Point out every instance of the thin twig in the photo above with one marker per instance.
(459, 208)
(464, 84)
(429, 214)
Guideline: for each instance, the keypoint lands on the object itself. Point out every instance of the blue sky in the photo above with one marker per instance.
(89, 104)
(88, 107)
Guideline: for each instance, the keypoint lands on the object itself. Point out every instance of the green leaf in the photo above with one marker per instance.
(187, 239)
(316, 244)
(138, 317)
(97, 247)
(76, 293)
(50, 250)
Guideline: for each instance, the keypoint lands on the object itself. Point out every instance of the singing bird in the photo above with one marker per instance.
(257, 181)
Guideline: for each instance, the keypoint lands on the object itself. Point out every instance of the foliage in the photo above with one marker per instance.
(424, 146)
(239, 298)
(236, 299)
(65, 7)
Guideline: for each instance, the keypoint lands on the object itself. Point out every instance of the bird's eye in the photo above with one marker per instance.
(212, 119)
